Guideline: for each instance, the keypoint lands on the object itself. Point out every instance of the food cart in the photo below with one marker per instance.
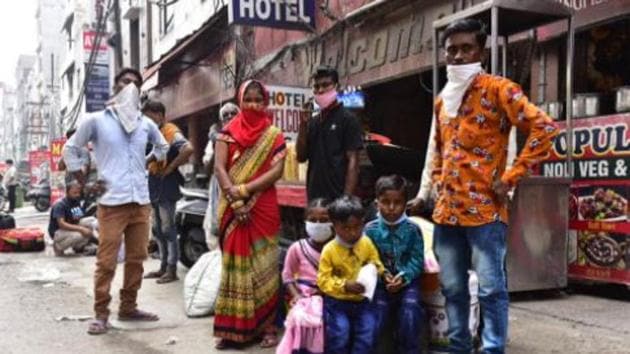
(599, 229)
(538, 227)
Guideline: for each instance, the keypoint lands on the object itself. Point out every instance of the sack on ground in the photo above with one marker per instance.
(22, 240)
(201, 286)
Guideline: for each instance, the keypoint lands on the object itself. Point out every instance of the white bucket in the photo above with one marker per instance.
(434, 304)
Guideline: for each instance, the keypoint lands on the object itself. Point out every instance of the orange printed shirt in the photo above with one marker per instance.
(169, 131)
(471, 150)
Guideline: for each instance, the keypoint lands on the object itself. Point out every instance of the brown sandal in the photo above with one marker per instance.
(167, 277)
(138, 316)
(155, 275)
(223, 344)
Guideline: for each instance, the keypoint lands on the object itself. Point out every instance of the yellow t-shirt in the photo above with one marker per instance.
(338, 264)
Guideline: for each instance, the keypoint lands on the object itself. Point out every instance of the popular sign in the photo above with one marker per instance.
(286, 107)
(286, 14)
(601, 150)
(598, 202)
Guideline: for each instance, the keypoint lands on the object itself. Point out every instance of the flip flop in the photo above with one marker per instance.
(97, 327)
(222, 344)
(138, 316)
(269, 340)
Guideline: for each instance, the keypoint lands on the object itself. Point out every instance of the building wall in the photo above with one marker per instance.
(188, 16)
(50, 52)
(26, 98)
(72, 69)
(7, 122)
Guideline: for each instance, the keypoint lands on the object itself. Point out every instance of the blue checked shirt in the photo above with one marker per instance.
(120, 157)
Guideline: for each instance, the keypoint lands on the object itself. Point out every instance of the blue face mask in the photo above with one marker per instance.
(400, 220)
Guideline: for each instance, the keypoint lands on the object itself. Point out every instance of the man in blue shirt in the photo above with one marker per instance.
(119, 135)
(164, 182)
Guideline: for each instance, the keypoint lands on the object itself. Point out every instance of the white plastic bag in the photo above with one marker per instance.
(368, 276)
(201, 285)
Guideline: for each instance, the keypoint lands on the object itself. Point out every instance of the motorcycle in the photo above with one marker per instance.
(189, 215)
(39, 195)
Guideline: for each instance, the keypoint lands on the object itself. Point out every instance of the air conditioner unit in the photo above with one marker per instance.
(131, 9)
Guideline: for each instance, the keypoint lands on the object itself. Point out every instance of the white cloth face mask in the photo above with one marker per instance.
(459, 78)
(319, 231)
(126, 104)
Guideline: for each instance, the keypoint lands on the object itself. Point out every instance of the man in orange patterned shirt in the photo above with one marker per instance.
(475, 112)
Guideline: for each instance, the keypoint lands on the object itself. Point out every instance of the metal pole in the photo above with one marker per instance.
(118, 26)
(149, 31)
(436, 61)
(504, 57)
(569, 94)
(494, 38)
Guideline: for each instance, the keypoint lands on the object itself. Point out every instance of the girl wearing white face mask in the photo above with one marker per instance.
(304, 322)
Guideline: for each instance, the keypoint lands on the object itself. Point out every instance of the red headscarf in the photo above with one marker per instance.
(249, 124)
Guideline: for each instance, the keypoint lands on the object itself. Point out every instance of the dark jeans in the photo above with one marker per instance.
(350, 326)
(11, 196)
(165, 232)
(483, 249)
(401, 312)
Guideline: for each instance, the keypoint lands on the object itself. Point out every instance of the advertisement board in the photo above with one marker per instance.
(90, 39)
(289, 14)
(39, 165)
(286, 108)
(599, 237)
(57, 185)
(97, 88)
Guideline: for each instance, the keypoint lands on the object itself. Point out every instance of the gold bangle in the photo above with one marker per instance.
(237, 204)
(242, 189)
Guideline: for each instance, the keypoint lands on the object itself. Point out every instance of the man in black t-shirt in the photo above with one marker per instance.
(330, 141)
(67, 227)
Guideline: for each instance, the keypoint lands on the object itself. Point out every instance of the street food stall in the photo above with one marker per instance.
(599, 229)
(538, 225)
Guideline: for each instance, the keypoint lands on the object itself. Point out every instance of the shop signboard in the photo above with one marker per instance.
(97, 85)
(39, 165)
(287, 106)
(284, 14)
(599, 238)
(97, 88)
(101, 53)
(57, 185)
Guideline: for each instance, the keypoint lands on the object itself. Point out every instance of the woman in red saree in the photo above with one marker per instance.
(250, 155)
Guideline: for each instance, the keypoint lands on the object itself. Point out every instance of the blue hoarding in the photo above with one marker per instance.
(97, 88)
(285, 14)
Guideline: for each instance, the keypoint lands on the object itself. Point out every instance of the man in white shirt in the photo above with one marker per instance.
(10, 183)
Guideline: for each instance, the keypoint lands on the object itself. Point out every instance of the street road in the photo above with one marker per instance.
(587, 320)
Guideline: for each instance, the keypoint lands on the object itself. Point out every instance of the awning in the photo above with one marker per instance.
(181, 46)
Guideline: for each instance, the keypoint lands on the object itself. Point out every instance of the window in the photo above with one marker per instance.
(166, 19)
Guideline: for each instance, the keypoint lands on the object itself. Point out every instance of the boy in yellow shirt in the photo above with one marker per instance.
(349, 317)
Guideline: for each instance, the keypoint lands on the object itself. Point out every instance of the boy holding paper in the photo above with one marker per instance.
(349, 315)
(401, 248)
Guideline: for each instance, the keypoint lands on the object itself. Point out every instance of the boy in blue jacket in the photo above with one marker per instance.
(401, 249)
